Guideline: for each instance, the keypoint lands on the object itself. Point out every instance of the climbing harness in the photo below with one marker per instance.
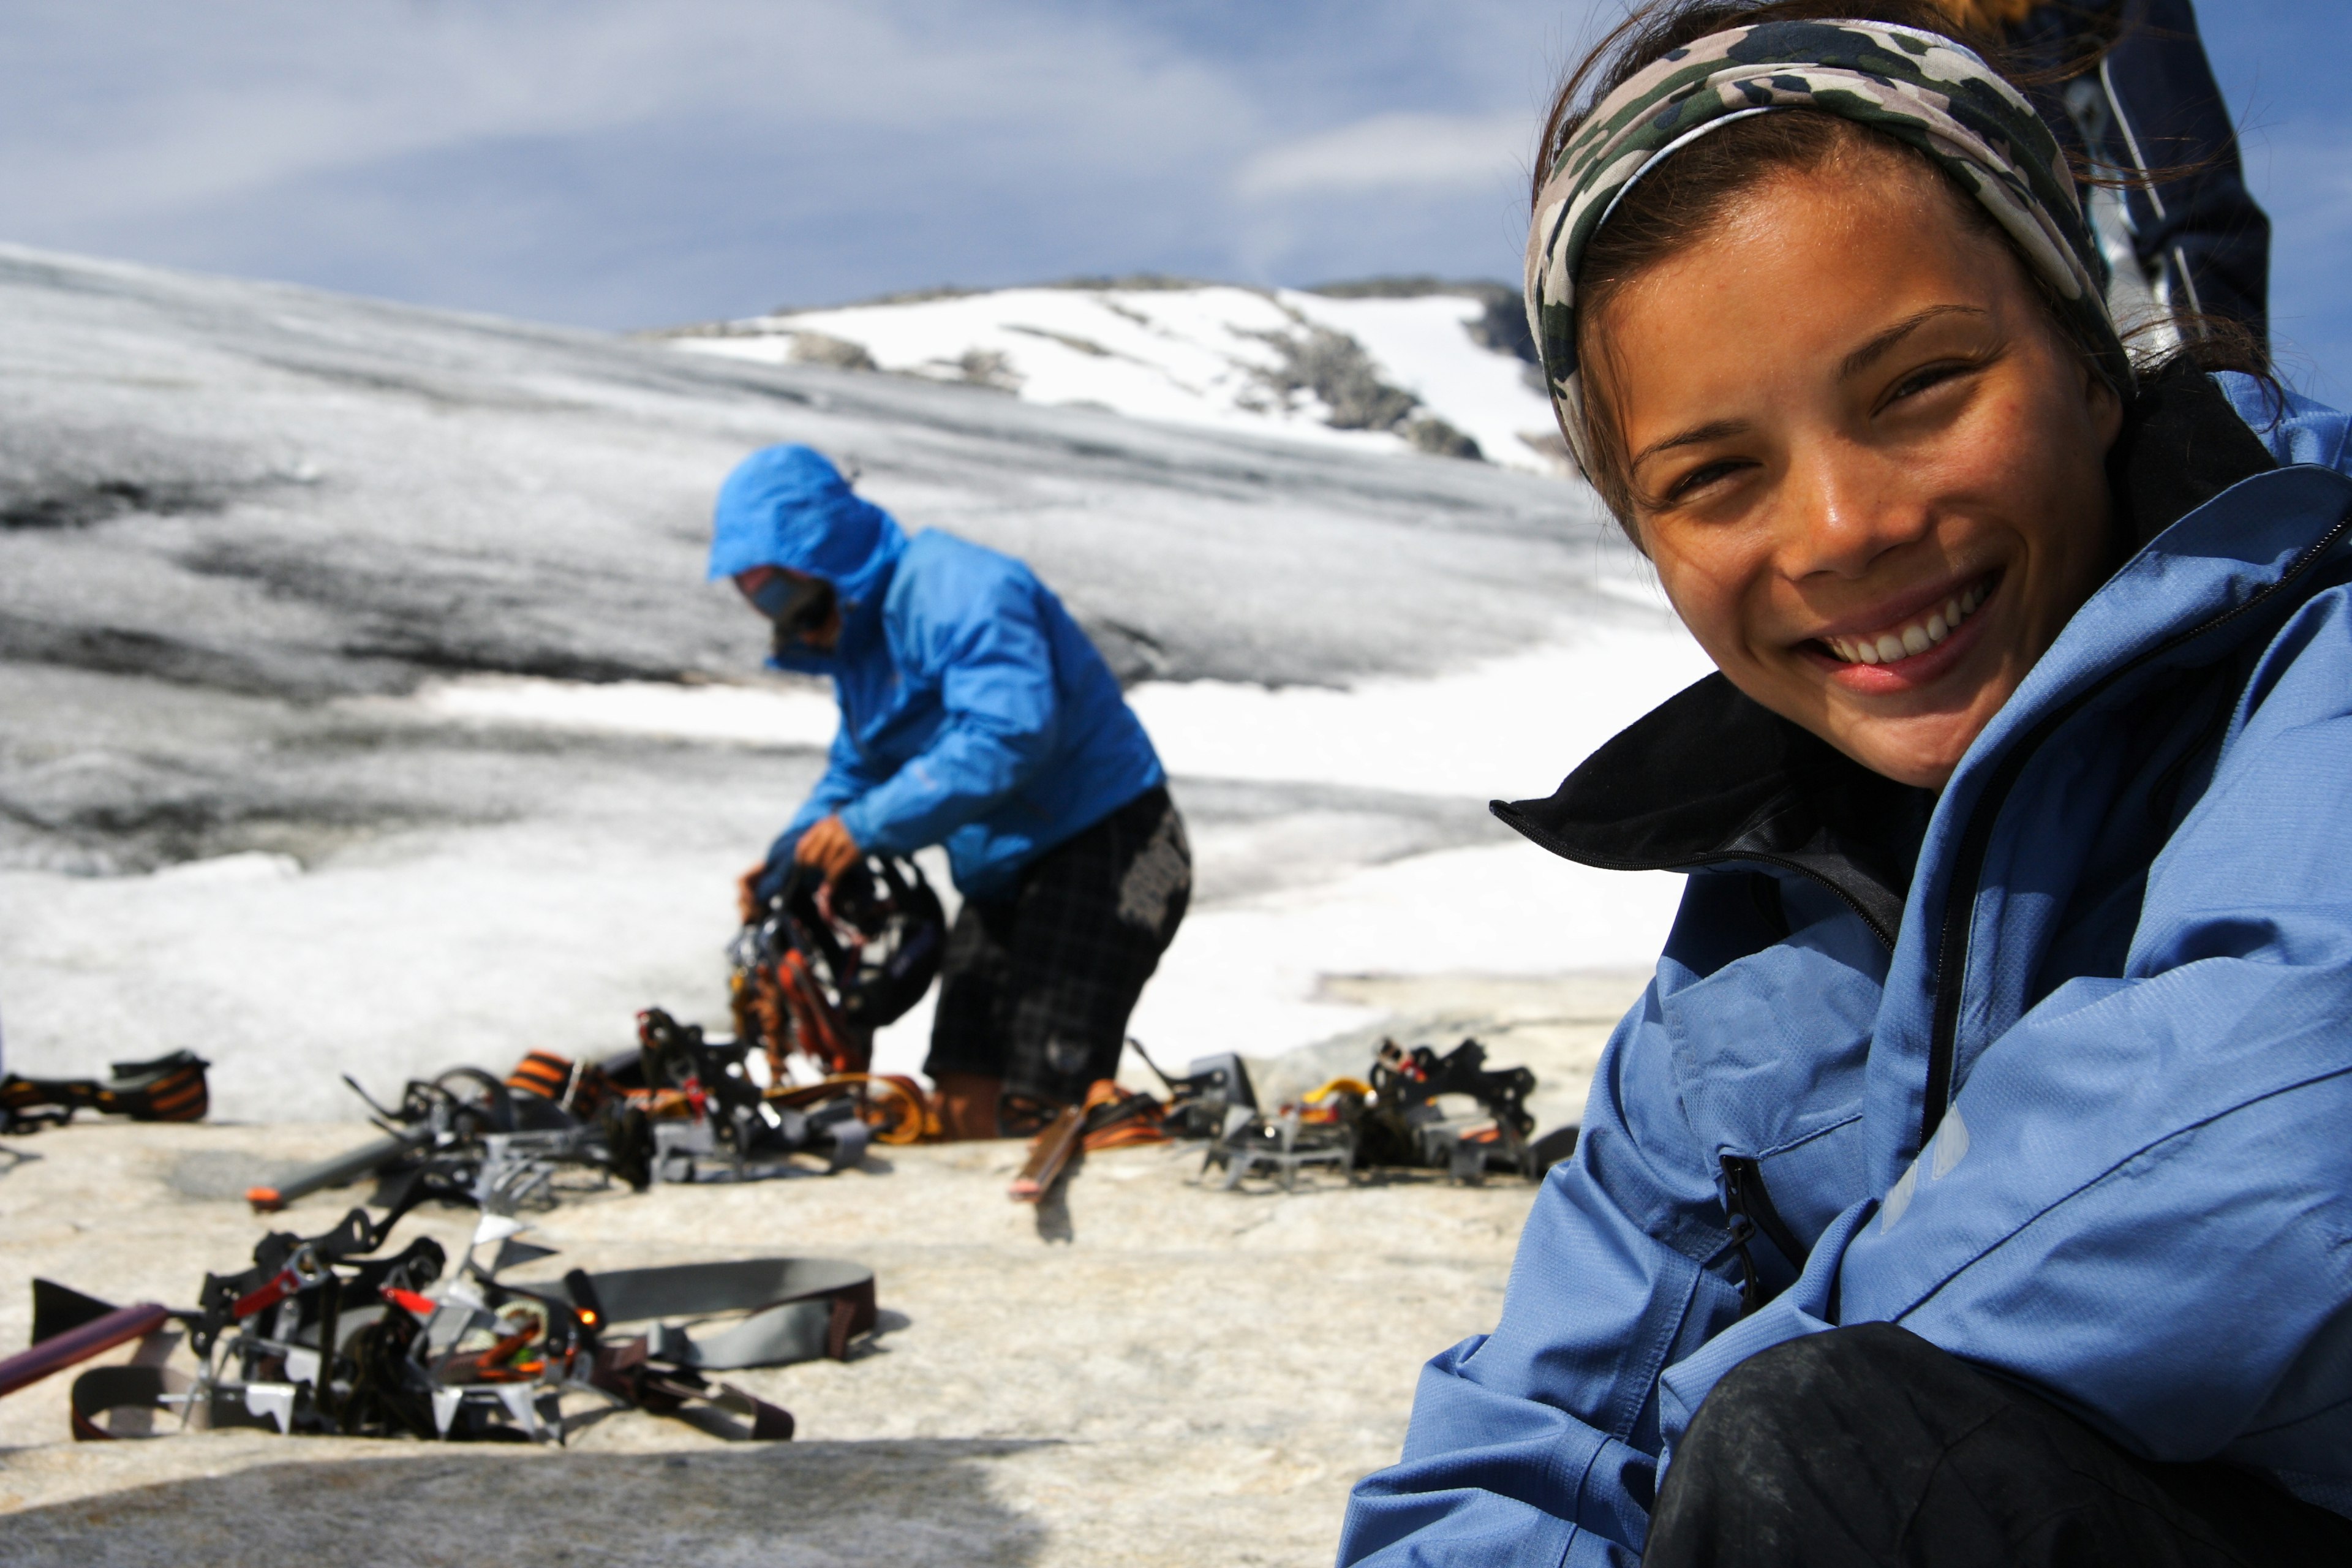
(822, 966)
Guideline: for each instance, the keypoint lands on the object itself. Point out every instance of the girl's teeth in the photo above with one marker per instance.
(1913, 640)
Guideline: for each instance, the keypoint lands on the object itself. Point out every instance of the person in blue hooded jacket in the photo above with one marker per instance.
(975, 714)
(1972, 1183)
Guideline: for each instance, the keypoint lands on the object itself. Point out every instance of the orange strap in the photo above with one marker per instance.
(893, 1106)
(1119, 1118)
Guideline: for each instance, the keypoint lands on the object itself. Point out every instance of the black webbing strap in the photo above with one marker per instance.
(798, 1308)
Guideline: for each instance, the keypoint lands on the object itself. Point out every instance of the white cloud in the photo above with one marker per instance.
(1388, 152)
(203, 104)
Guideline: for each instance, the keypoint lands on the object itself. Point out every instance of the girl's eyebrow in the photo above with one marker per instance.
(1721, 429)
(1863, 358)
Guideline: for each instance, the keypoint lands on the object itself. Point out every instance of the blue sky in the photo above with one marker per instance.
(623, 162)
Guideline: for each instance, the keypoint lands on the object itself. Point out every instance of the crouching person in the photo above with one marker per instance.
(1971, 1184)
(977, 715)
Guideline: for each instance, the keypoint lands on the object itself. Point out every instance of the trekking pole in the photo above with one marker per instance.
(341, 1169)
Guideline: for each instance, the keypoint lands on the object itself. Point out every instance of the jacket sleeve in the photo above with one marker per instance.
(1537, 1444)
(986, 645)
(2141, 1198)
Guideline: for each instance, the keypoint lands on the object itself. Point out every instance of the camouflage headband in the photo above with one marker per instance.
(1919, 87)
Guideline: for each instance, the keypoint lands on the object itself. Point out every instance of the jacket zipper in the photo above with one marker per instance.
(1751, 1211)
(1976, 838)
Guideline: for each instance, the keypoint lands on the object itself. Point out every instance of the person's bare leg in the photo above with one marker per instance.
(968, 1105)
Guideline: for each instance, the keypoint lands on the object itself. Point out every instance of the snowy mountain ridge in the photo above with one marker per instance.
(1412, 364)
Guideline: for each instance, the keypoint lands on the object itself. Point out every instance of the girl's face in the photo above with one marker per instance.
(1866, 465)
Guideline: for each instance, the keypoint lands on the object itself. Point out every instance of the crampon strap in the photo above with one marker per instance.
(168, 1089)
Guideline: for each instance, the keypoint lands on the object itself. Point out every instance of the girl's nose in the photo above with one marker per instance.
(1839, 516)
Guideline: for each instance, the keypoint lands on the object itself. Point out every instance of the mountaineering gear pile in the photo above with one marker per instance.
(2052, 1070)
(1869, 1446)
(708, 1120)
(471, 1138)
(1395, 1117)
(1401, 1123)
(816, 970)
(328, 1334)
(1920, 89)
(169, 1089)
(815, 974)
(974, 712)
(1038, 982)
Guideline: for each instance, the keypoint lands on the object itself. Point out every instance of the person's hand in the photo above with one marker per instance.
(747, 898)
(828, 847)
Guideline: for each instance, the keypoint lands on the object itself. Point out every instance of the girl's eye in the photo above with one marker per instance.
(1698, 478)
(1920, 380)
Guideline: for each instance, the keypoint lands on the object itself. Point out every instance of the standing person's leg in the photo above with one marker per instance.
(1092, 918)
(1868, 1444)
(968, 1030)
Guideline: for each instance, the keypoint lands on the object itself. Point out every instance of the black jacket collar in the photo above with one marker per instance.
(1711, 776)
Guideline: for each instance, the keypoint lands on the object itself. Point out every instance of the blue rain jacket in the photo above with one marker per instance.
(2054, 1069)
(974, 711)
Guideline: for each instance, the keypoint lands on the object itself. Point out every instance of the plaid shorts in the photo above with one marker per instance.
(1035, 987)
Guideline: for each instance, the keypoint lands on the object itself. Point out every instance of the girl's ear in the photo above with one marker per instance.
(2106, 407)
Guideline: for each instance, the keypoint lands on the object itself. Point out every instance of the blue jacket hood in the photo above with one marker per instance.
(789, 506)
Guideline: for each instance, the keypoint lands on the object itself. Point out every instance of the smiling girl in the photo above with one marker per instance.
(1973, 1182)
